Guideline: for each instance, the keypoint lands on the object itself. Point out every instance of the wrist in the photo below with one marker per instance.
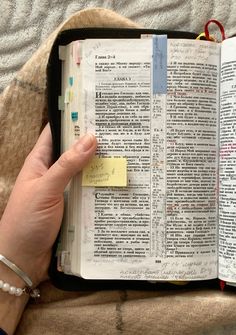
(11, 309)
(11, 306)
(34, 270)
(5, 286)
(9, 276)
(34, 265)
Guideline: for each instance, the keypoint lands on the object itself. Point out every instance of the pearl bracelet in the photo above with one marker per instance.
(10, 289)
(17, 291)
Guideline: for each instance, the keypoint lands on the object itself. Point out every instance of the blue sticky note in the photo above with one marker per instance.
(74, 116)
(71, 81)
(159, 44)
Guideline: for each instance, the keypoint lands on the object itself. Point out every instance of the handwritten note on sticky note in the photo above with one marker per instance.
(105, 172)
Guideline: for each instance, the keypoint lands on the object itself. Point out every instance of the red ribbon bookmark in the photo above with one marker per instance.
(222, 31)
(222, 285)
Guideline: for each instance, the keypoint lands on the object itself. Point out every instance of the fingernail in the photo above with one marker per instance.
(85, 142)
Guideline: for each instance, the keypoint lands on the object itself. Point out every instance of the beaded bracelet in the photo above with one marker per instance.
(17, 291)
(6, 287)
(10, 289)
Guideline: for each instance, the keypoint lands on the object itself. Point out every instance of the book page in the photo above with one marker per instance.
(191, 155)
(163, 225)
(227, 174)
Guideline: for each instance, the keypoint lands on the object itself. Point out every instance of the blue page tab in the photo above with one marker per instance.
(159, 44)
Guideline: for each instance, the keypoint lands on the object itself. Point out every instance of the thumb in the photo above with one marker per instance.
(69, 164)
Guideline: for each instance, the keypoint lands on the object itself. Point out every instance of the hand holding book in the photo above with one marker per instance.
(32, 218)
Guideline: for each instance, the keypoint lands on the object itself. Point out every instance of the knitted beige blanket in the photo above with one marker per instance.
(23, 112)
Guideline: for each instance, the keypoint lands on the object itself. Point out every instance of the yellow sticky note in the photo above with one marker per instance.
(105, 172)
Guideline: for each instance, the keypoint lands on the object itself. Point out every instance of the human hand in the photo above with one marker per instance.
(33, 215)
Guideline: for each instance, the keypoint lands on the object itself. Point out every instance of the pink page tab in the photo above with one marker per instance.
(76, 52)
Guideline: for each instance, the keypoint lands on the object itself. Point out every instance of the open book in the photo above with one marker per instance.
(158, 202)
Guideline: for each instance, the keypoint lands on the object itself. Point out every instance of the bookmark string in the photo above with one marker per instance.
(222, 31)
(202, 36)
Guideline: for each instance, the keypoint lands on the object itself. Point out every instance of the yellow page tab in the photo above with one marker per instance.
(105, 172)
